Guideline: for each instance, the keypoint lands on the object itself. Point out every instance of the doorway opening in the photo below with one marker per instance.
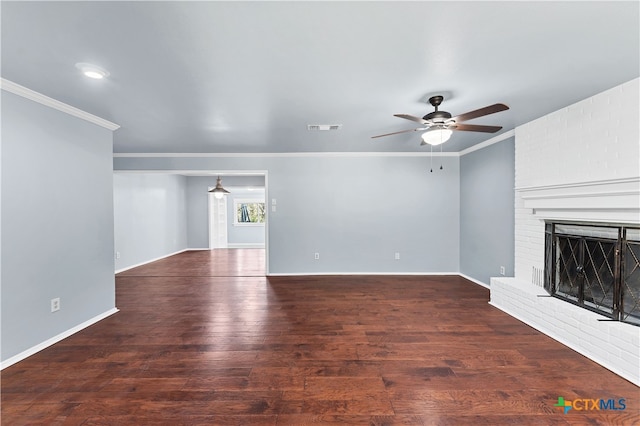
(239, 220)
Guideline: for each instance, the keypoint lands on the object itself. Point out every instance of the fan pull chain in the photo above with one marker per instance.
(431, 156)
(440, 156)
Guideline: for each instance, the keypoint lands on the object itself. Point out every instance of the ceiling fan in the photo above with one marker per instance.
(440, 124)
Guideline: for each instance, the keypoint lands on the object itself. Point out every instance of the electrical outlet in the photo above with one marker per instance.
(397, 257)
(502, 270)
(55, 304)
(316, 256)
(117, 255)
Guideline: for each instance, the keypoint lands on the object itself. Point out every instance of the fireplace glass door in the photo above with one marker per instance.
(596, 267)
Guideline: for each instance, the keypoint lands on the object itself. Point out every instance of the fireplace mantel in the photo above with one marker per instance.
(606, 201)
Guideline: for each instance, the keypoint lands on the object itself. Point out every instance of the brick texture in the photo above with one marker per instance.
(595, 140)
(613, 345)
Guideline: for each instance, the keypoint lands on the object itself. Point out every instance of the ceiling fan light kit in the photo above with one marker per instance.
(436, 137)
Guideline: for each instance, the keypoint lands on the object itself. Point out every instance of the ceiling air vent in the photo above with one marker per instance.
(324, 126)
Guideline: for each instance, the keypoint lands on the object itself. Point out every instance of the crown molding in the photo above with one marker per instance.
(278, 154)
(195, 173)
(476, 147)
(32, 95)
(488, 142)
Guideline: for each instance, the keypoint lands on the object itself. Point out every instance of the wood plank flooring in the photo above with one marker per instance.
(204, 338)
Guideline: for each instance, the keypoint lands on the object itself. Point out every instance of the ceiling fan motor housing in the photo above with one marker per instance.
(437, 116)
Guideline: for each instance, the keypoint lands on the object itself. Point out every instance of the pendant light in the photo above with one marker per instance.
(219, 191)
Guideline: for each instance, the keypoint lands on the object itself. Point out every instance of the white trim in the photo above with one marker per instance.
(196, 173)
(419, 274)
(488, 142)
(153, 260)
(19, 90)
(278, 154)
(267, 221)
(580, 195)
(617, 216)
(602, 201)
(616, 181)
(603, 362)
(49, 342)
(302, 274)
(313, 274)
(473, 280)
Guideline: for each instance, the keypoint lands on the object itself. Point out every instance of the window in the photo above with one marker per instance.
(248, 212)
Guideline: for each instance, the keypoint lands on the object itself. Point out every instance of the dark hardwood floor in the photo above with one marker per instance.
(203, 338)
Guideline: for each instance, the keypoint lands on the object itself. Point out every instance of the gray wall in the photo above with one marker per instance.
(487, 179)
(150, 213)
(355, 211)
(198, 210)
(57, 223)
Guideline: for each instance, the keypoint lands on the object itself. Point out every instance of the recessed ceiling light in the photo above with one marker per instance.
(92, 71)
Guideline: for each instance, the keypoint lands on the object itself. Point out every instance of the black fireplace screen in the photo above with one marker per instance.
(596, 267)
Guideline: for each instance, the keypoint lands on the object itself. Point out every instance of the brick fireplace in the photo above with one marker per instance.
(578, 164)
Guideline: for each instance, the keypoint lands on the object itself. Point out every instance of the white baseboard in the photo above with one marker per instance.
(229, 246)
(312, 274)
(473, 280)
(37, 348)
(246, 245)
(421, 274)
(153, 260)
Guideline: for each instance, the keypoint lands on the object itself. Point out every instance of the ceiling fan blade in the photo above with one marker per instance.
(412, 118)
(476, 128)
(395, 133)
(491, 109)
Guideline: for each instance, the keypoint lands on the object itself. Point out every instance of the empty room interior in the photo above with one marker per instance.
(289, 213)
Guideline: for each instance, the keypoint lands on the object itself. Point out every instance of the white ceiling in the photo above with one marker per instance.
(244, 77)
